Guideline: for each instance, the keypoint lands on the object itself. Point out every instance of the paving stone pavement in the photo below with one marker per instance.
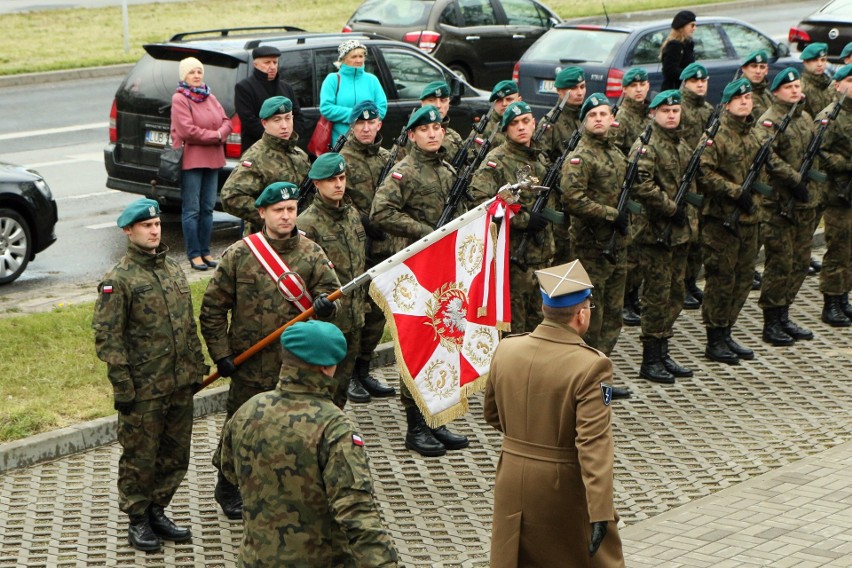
(747, 465)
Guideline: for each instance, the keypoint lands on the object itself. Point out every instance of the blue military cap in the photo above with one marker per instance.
(736, 89)
(814, 51)
(139, 210)
(843, 72)
(693, 71)
(756, 56)
(275, 105)
(634, 75)
(438, 89)
(565, 285)
(569, 78)
(592, 101)
(424, 115)
(670, 97)
(788, 75)
(328, 165)
(365, 110)
(503, 89)
(513, 111)
(315, 342)
(276, 193)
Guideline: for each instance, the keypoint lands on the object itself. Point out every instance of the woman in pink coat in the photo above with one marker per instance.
(200, 124)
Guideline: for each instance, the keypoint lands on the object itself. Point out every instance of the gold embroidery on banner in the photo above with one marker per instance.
(480, 346)
(405, 292)
(446, 311)
(441, 379)
(470, 254)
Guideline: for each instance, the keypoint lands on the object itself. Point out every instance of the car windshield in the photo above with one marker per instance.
(576, 45)
(393, 12)
(839, 7)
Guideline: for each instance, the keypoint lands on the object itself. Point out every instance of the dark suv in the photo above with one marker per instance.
(140, 115)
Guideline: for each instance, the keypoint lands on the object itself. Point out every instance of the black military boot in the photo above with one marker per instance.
(621, 393)
(164, 527)
(814, 266)
(670, 364)
(741, 351)
(772, 331)
(228, 496)
(140, 535)
(630, 313)
(791, 328)
(369, 382)
(652, 363)
(832, 312)
(419, 436)
(450, 440)
(718, 349)
(845, 306)
(757, 281)
(355, 391)
(691, 301)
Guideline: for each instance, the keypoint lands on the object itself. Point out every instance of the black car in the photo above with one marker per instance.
(140, 117)
(831, 24)
(478, 39)
(27, 219)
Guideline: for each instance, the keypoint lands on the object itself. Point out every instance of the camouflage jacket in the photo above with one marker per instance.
(695, 112)
(817, 94)
(836, 150)
(304, 479)
(241, 288)
(339, 232)
(269, 160)
(591, 181)
(494, 123)
(452, 142)
(762, 98)
(557, 135)
(145, 329)
(631, 121)
(499, 169)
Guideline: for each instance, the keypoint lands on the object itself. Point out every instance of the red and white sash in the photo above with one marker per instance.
(289, 283)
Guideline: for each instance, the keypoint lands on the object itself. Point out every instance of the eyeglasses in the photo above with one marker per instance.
(589, 307)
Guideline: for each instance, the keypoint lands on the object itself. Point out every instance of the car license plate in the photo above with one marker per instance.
(157, 138)
(546, 87)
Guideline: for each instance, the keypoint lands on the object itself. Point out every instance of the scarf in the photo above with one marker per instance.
(197, 94)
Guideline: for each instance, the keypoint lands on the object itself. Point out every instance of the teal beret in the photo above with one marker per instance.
(736, 89)
(843, 72)
(788, 75)
(847, 51)
(424, 115)
(634, 75)
(277, 192)
(139, 210)
(693, 71)
(592, 101)
(275, 105)
(327, 166)
(315, 342)
(756, 56)
(365, 110)
(435, 89)
(670, 97)
(569, 78)
(503, 89)
(513, 111)
(813, 51)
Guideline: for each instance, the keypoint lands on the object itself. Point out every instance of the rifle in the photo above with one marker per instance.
(460, 159)
(617, 104)
(399, 142)
(717, 110)
(459, 189)
(751, 183)
(788, 211)
(307, 188)
(624, 202)
(550, 118)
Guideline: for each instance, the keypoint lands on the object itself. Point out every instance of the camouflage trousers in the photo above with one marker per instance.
(663, 291)
(526, 298)
(346, 367)
(609, 281)
(788, 255)
(374, 328)
(694, 256)
(728, 270)
(155, 440)
(562, 237)
(835, 279)
(632, 267)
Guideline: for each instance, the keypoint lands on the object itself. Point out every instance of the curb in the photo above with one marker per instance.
(25, 79)
(53, 445)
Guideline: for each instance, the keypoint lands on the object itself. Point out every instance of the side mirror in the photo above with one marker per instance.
(783, 50)
(553, 21)
(456, 90)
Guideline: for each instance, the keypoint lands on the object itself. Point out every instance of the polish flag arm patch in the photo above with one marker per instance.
(574, 161)
(246, 164)
(396, 175)
(767, 123)
(491, 164)
(357, 440)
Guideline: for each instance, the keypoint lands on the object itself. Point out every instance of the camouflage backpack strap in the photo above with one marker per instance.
(288, 282)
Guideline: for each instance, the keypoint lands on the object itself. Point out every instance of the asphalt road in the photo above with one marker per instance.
(10, 6)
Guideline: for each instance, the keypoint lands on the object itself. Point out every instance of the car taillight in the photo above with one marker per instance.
(234, 141)
(516, 73)
(427, 41)
(346, 29)
(113, 121)
(798, 35)
(613, 83)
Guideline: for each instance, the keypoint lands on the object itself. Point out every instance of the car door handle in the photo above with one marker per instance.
(472, 38)
(519, 36)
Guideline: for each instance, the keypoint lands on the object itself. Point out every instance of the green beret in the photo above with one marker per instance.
(847, 51)
(424, 115)
(435, 89)
(327, 166)
(592, 101)
(315, 342)
(788, 75)
(756, 56)
(736, 89)
(365, 110)
(814, 51)
(569, 78)
(693, 71)
(275, 105)
(503, 89)
(513, 111)
(139, 210)
(276, 193)
(843, 72)
(670, 97)
(635, 75)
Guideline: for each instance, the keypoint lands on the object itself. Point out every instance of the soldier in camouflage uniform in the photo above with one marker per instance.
(242, 289)
(660, 169)
(145, 332)
(503, 94)
(437, 94)
(755, 68)
(409, 204)
(302, 466)
(501, 168)
(814, 79)
(275, 157)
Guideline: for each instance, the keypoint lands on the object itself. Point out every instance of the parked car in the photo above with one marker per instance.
(831, 24)
(27, 219)
(140, 115)
(605, 52)
(480, 40)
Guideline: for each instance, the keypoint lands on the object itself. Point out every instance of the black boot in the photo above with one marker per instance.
(694, 289)
(369, 382)
(630, 313)
(772, 331)
(652, 363)
(845, 306)
(620, 393)
(791, 328)
(814, 267)
(355, 391)
(718, 349)
(228, 496)
(741, 351)
(691, 301)
(832, 312)
(140, 535)
(450, 440)
(419, 437)
(671, 365)
(757, 281)
(163, 526)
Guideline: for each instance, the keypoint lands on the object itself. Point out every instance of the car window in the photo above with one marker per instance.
(745, 40)
(839, 7)
(524, 13)
(450, 16)
(576, 46)
(394, 12)
(410, 72)
(709, 43)
(297, 68)
(477, 13)
(324, 60)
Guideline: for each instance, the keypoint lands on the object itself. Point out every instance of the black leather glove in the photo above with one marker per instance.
(323, 307)
(746, 203)
(123, 407)
(226, 366)
(621, 222)
(679, 218)
(800, 192)
(598, 534)
(372, 231)
(536, 223)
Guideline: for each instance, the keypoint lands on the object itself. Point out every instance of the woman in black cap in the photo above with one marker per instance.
(677, 50)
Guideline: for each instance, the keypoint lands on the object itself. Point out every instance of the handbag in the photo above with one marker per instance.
(320, 141)
(170, 165)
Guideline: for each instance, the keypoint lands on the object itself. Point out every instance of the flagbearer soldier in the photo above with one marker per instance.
(145, 332)
(814, 78)
(275, 157)
(408, 204)
(755, 68)
(244, 303)
(503, 94)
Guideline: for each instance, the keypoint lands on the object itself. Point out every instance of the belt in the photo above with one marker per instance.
(538, 452)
